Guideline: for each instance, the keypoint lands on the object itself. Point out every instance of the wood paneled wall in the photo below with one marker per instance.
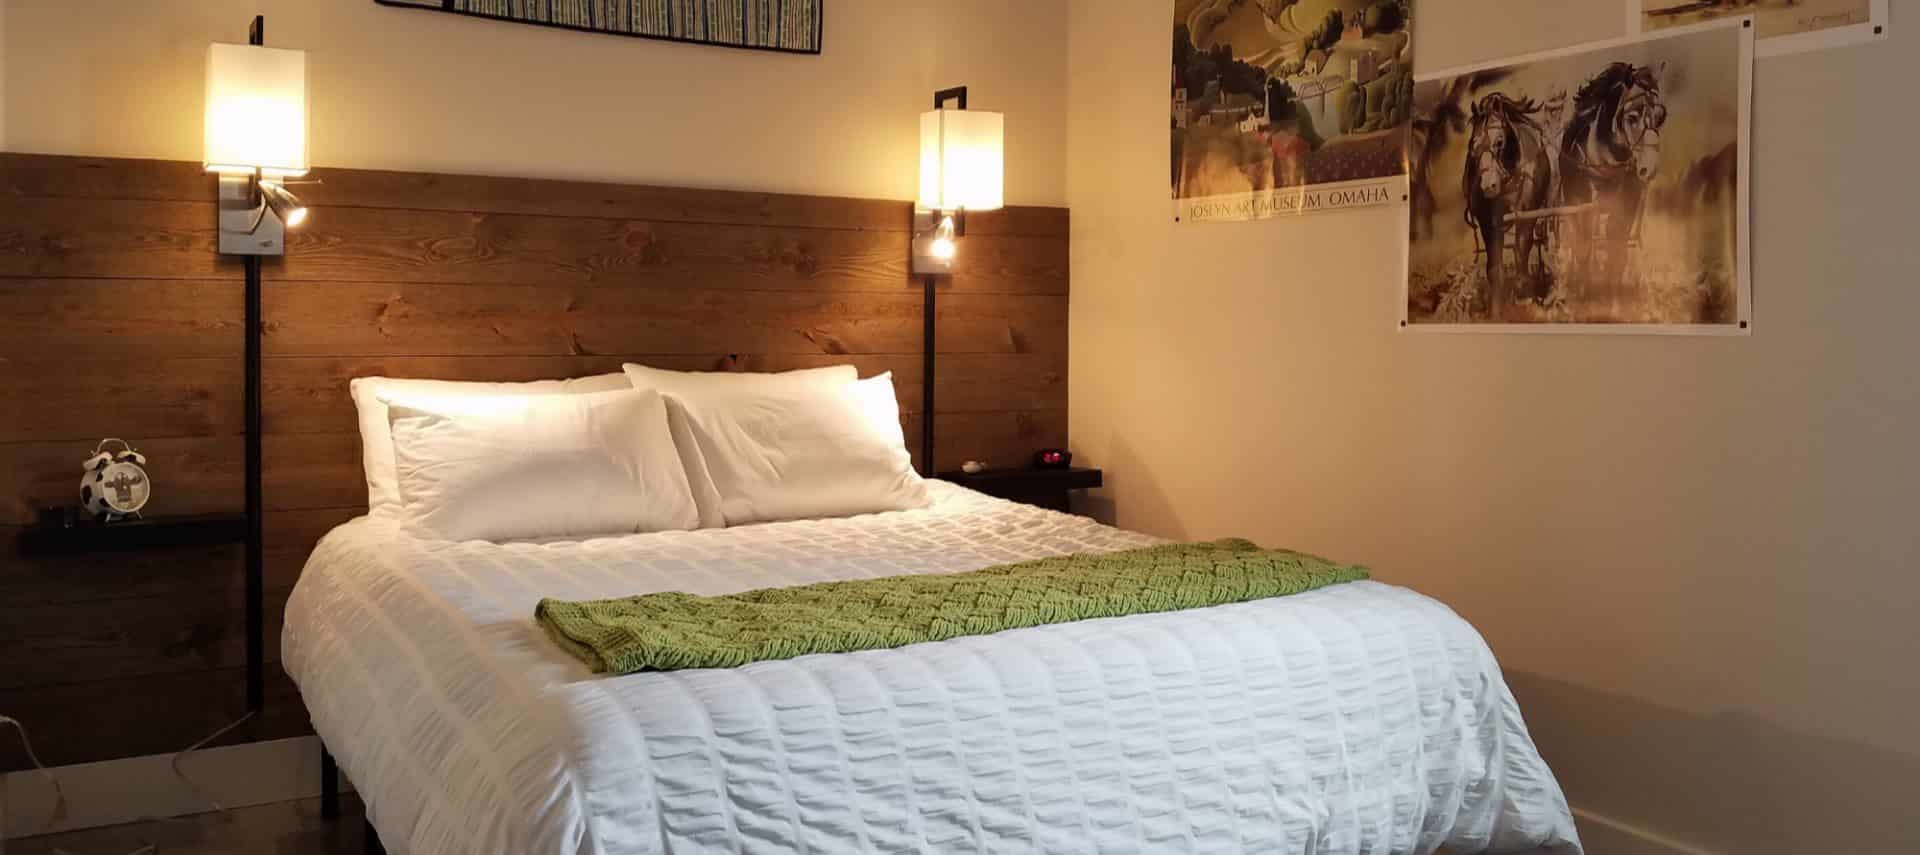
(117, 317)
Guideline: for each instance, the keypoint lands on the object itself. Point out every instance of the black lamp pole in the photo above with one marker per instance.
(256, 580)
(957, 94)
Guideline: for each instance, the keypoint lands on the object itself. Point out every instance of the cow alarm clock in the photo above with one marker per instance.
(115, 485)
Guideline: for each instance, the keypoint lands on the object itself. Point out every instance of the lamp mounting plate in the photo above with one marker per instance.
(247, 225)
(926, 229)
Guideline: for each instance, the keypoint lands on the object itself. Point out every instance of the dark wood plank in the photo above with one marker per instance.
(73, 404)
(56, 176)
(351, 319)
(102, 318)
(161, 573)
(82, 399)
(339, 319)
(131, 637)
(173, 240)
(384, 245)
(54, 238)
(157, 714)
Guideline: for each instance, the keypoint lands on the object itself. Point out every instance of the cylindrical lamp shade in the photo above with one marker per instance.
(962, 163)
(256, 110)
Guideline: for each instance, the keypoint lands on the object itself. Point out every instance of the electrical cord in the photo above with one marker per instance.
(60, 796)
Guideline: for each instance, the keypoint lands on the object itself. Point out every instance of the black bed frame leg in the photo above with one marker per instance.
(373, 839)
(329, 785)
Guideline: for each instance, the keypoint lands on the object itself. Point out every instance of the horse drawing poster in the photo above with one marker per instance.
(1601, 188)
(1285, 107)
(1782, 26)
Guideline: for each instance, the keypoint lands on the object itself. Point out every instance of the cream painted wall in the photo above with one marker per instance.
(403, 89)
(3, 76)
(1695, 557)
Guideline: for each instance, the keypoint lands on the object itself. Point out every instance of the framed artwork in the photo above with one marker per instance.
(788, 26)
(1284, 107)
(1595, 189)
(1783, 26)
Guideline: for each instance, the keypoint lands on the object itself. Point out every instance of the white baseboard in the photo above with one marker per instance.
(1604, 835)
(112, 792)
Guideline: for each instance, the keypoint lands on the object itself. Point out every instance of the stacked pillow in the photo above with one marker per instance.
(645, 450)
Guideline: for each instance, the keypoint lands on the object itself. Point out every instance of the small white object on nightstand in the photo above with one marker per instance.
(973, 467)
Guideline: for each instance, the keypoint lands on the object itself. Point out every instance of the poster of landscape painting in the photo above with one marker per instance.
(1593, 189)
(1785, 26)
(1289, 106)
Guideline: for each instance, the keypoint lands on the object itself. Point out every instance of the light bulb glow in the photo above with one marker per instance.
(943, 248)
(256, 110)
(962, 160)
(285, 205)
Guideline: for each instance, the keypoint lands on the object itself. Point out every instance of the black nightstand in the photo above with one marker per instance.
(1047, 488)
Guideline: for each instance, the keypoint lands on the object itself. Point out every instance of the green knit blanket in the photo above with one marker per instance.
(668, 631)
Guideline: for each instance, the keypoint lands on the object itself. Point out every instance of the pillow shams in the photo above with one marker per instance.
(698, 384)
(376, 439)
(801, 454)
(504, 468)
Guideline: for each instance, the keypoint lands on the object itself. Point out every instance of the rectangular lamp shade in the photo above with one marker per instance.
(256, 110)
(962, 160)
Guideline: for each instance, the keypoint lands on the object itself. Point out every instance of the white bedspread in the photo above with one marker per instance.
(1360, 718)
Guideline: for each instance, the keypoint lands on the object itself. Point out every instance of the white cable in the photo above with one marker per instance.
(60, 796)
(180, 773)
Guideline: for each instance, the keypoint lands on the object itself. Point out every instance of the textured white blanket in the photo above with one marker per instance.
(1360, 718)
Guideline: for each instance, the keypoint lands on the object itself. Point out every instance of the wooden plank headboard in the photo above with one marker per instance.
(118, 318)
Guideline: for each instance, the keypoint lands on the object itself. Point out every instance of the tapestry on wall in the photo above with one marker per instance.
(1785, 26)
(1285, 107)
(1595, 189)
(792, 26)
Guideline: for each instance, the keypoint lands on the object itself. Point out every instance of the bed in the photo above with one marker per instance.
(1359, 718)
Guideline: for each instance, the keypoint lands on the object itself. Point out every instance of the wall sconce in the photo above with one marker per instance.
(256, 137)
(962, 168)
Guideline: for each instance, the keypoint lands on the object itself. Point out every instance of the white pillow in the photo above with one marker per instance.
(376, 442)
(689, 384)
(506, 468)
(797, 453)
(692, 382)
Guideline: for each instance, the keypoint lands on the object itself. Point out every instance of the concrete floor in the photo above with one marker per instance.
(284, 828)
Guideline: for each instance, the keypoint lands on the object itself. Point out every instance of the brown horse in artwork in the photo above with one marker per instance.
(1509, 170)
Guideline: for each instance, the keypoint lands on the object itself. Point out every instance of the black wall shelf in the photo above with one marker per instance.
(86, 537)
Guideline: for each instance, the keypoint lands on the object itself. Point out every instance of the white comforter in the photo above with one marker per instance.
(1360, 718)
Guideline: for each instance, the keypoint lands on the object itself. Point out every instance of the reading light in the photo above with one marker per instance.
(284, 204)
(943, 247)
